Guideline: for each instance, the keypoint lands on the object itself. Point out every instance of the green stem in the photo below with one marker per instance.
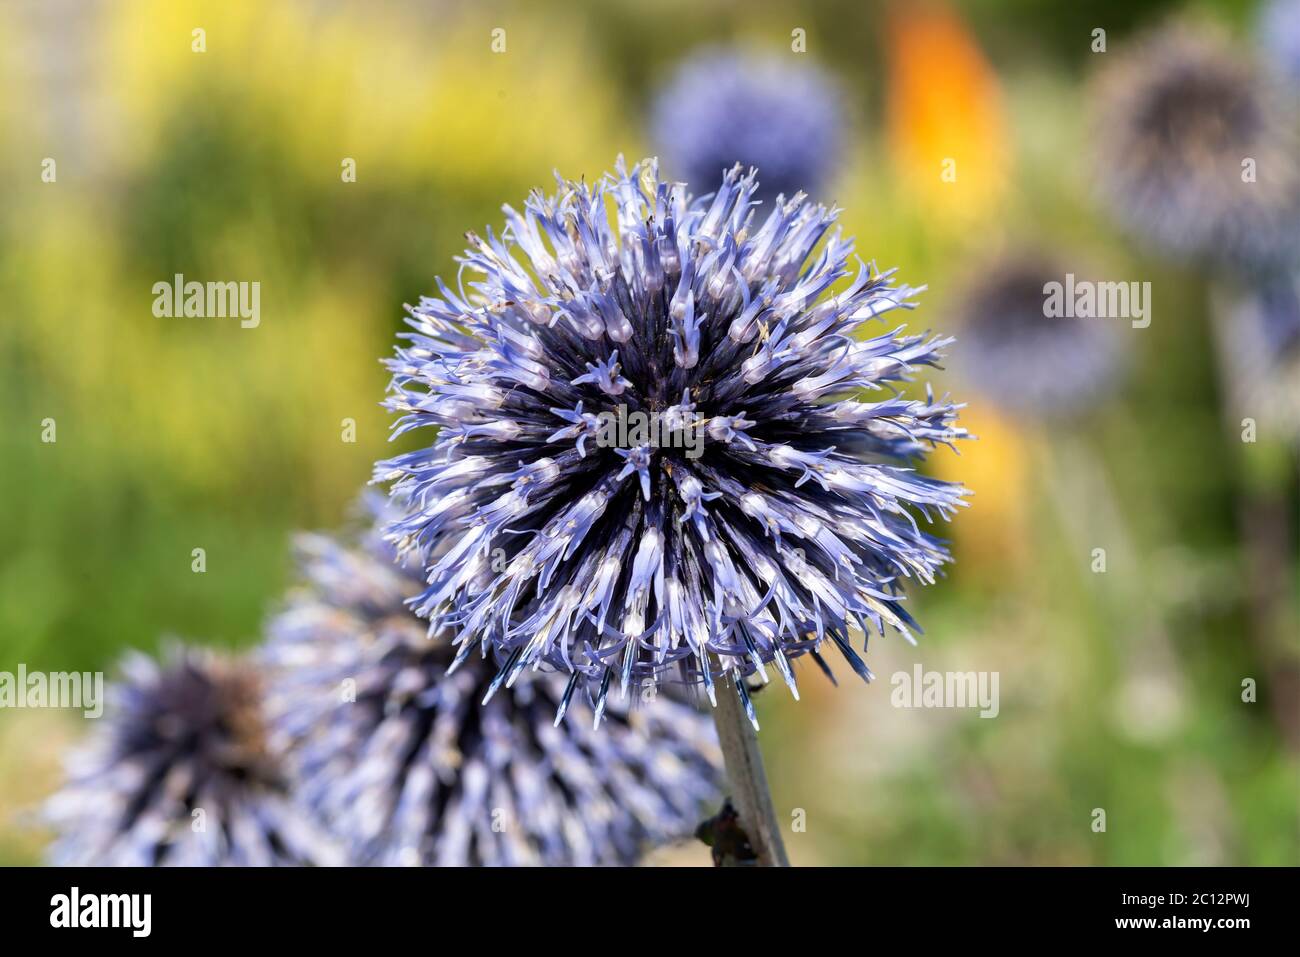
(749, 790)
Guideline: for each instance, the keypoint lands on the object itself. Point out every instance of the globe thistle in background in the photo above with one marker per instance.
(407, 768)
(181, 772)
(1276, 306)
(1275, 310)
(1279, 35)
(759, 514)
(1260, 380)
(1196, 154)
(723, 107)
(1031, 364)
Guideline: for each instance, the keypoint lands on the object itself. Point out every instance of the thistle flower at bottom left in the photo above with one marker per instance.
(181, 771)
(410, 765)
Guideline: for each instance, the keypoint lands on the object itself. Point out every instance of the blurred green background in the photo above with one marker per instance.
(1119, 691)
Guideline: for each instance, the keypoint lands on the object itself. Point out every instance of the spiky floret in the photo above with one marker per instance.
(1196, 152)
(1028, 358)
(181, 772)
(555, 539)
(403, 763)
(724, 106)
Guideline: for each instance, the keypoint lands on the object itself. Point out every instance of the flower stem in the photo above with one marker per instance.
(748, 781)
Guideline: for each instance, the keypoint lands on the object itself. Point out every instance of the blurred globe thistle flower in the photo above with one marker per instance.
(181, 772)
(1276, 312)
(1279, 35)
(1195, 153)
(789, 522)
(1260, 377)
(406, 767)
(1031, 364)
(723, 107)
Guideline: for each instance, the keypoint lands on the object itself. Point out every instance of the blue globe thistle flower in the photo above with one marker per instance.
(181, 771)
(1279, 35)
(1196, 154)
(406, 767)
(758, 514)
(723, 107)
(1031, 364)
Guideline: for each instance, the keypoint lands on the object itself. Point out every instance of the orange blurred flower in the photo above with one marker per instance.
(946, 127)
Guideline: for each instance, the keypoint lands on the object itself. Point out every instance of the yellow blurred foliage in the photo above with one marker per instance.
(195, 396)
(206, 401)
(993, 531)
(359, 83)
(32, 745)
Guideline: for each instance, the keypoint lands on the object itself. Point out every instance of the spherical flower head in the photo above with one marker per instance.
(1194, 152)
(180, 771)
(1024, 345)
(649, 465)
(723, 107)
(409, 766)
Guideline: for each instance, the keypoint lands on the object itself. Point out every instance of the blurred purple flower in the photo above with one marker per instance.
(1031, 364)
(1279, 35)
(180, 771)
(407, 768)
(1262, 377)
(1196, 153)
(777, 113)
(789, 524)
